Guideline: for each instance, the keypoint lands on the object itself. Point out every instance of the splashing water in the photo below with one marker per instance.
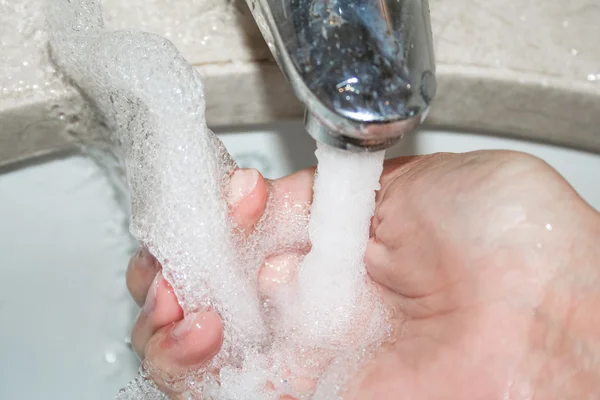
(151, 101)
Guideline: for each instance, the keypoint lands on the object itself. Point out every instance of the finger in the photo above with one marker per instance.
(160, 309)
(248, 192)
(246, 197)
(141, 271)
(288, 213)
(298, 185)
(277, 273)
(183, 346)
(275, 280)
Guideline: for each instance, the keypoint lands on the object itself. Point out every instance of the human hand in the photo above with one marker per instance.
(161, 336)
(487, 260)
(463, 254)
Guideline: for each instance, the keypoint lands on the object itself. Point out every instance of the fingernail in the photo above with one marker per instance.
(140, 252)
(150, 302)
(242, 183)
(146, 259)
(184, 326)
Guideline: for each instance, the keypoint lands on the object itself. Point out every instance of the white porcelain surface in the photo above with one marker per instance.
(64, 309)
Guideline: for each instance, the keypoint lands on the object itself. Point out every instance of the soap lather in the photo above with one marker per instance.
(364, 69)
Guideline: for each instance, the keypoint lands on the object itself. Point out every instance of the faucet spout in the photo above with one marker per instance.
(364, 69)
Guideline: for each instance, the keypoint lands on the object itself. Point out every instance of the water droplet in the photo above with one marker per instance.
(593, 77)
(574, 52)
(110, 357)
(549, 227)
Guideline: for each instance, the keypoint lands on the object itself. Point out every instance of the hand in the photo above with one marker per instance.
(488, 261)
(462, 253)
(161, 337)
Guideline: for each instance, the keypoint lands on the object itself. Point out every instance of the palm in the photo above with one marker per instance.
(451, 263)
(457, 251)
(446, 342)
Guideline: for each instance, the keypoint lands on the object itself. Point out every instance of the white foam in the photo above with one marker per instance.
(332, 280)
(151, 100)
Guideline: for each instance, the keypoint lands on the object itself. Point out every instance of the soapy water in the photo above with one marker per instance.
(151, 102)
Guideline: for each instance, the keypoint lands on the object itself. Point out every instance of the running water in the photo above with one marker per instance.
(151, 101)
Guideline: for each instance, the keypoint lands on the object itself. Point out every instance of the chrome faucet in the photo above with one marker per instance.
(364, 69)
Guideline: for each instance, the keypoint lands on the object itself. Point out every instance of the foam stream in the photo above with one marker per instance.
(151, 100)
(332, 277)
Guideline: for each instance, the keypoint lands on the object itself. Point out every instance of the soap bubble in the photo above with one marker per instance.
(152, 104)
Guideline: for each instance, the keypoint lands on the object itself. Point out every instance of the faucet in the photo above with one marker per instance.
(364, 69)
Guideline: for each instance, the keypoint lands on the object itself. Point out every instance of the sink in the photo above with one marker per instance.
(64, 248)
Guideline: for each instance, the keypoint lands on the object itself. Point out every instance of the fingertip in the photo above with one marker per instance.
(188, 343)
(167, 308)
(199, 336)
(141, 271)
(160, 309)
(247, 197)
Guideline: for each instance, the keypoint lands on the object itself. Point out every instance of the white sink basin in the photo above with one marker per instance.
(64, 307)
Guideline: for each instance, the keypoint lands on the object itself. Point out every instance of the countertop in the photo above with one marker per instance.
(529, 70)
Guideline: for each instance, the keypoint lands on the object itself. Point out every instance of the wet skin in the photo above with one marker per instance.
(488, 262)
